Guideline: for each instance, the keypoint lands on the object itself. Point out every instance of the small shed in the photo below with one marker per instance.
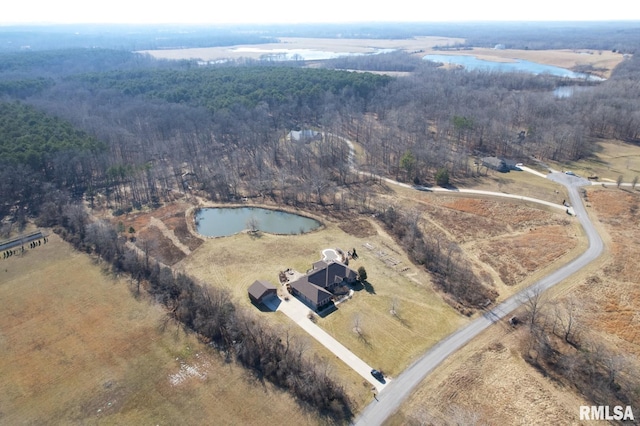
(260, 290)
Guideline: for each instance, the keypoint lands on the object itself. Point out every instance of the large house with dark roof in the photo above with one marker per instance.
(315, 288)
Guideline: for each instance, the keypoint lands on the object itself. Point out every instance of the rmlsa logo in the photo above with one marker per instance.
(604, 412)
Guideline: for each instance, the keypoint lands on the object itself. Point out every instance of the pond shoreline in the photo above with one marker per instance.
(192, 220)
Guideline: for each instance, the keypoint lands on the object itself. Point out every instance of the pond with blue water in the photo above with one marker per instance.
(222, 222)
(473, 63)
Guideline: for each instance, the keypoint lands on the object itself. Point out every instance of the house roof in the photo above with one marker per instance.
(302, 135)
(495, 161)
(259, 289)
(315, 294)
(328, 273)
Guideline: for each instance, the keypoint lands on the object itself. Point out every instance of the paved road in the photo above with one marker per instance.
(402, 386)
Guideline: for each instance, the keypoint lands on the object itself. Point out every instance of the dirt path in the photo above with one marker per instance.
(169, 234)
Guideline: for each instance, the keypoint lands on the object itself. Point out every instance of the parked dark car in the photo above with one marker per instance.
(378, 375)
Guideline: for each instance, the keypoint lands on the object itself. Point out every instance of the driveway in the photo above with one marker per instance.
(298, 311)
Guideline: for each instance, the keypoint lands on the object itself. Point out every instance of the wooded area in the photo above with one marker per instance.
(120, 130)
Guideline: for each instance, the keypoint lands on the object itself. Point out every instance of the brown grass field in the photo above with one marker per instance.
(492, 364)
(77, 348)
(603, 61)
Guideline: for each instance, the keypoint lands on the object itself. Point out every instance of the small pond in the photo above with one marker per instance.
(222, 222)
(474, 63)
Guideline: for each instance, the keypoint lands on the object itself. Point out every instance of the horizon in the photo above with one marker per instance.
(190, 12)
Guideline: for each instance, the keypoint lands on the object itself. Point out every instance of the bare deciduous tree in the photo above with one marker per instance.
(253, 224)
(533, 304)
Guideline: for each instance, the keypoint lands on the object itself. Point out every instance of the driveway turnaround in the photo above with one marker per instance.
(298, 312)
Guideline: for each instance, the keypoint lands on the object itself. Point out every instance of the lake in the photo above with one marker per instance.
(473, 63)
(222, 222)
(302, 54)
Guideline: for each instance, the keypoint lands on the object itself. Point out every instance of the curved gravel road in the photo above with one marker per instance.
(402, 386)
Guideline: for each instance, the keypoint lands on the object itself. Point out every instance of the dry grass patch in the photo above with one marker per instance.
(615, 300)
(516, 256)
(77, 348)
(163, 232)
(603, 61)
(235, 262)
(360, 228)
(612, 159)
(489, 383)
(519, 183)
(159, 246)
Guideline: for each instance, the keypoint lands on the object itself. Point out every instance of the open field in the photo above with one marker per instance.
(322, 44)
(520, 183)
(77, 348)
(607, 295)
(603, 61)
(511, 243)
(612, 159)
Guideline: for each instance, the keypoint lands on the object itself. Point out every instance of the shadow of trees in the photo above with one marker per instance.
(363, 285)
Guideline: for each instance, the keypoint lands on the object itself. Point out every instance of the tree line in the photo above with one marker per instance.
(559, 345)
(297, 89)
(211, 313)
(441, 257)
(441, 117)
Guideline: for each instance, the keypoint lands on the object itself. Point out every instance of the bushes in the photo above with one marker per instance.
(442, 177)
